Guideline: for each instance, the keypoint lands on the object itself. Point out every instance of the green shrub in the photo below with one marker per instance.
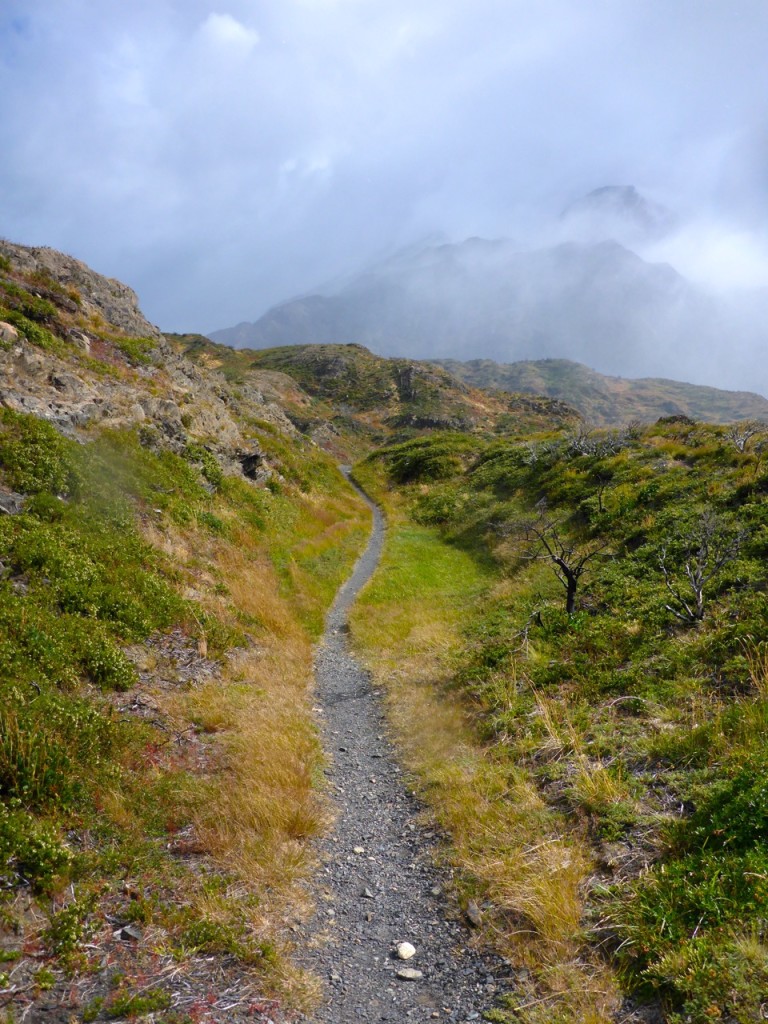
(733, 814)
(719, 977)
(68, 928)
(210, 468)
(136, 350)
(51, 747)
(137, 1004)
(26, 303)
(30, 848)
(437, 457)
(35, 457)
(33, 332)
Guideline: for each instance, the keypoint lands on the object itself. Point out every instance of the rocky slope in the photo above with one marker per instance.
(77, 352)
(358, 398)
(168, 548)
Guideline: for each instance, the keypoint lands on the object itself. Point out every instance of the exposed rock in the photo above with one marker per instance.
(30, 360)
(8, 333)
(173, 400)
(161, 409)
(113, 301)
(10, 502)
(409, 974)
(253, 462)
(67, 383)
(80, 339)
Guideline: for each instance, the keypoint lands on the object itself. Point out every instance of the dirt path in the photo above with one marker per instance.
(379, 886)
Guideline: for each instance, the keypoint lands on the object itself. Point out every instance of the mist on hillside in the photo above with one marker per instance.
(616, 281)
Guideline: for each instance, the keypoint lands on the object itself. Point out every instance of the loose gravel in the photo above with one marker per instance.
(379, 886)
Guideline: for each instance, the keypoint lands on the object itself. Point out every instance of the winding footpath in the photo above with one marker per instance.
(379, 885)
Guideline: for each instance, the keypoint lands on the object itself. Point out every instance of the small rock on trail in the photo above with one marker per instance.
(378, 872)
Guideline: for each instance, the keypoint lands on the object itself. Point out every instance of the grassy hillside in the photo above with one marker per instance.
(158, 605)
(605, 785)
(610, 401)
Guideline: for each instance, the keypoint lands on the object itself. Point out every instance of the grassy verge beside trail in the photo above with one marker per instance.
(158, 757)
(509, 846)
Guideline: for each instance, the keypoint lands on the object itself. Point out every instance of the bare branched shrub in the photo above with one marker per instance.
(568, 558)
(692, 559)
(740, 434)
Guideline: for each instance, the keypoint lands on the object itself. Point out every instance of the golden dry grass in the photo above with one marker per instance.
(263, 803)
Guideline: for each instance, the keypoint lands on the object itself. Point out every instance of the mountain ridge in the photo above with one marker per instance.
(604, 400)
(594, 287)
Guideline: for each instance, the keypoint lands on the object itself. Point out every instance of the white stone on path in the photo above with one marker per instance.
(405, 950)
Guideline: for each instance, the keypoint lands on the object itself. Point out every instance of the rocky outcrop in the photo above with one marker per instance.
(85, 373)
(114, 302)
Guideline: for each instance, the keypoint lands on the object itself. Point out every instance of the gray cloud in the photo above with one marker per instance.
(220, 156)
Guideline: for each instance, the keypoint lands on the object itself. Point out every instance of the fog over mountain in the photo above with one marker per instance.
(222, 158)
(580, 294)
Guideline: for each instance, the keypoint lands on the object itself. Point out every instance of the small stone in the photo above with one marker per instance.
(474, 914)
(409, 974)
(405, 950)
(436, 890)
(367, 894)
(358, 849)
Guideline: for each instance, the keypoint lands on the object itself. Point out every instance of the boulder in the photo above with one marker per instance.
(8, 334)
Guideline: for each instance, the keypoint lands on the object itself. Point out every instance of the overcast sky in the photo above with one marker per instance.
(222, 155)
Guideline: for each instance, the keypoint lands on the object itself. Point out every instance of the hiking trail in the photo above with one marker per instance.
(379, 885)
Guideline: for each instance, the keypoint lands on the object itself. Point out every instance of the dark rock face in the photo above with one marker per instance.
(11, 503)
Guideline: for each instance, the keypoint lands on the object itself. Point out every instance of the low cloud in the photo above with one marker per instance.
(223, 159)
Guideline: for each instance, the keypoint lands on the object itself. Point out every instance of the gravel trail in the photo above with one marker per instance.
(378, 886)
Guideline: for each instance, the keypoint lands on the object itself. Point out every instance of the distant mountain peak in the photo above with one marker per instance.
(618, 212)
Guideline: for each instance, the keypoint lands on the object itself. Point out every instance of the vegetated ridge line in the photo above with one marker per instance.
(378, 885)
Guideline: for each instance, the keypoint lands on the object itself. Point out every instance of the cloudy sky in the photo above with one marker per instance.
(221, 155)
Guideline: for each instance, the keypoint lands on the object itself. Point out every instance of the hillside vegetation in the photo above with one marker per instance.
(610, 401)
(359, 400)
(602, 772)
(167, 554)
